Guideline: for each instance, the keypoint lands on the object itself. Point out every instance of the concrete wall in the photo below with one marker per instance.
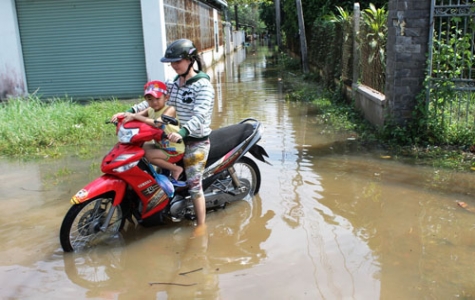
(407, 48)
(372, 103)
(155, 41)
(12, 74)
(367, 100)
(238, 39)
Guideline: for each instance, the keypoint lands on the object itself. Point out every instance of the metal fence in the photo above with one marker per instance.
(372, 69)
(331, 51)
(450, 94)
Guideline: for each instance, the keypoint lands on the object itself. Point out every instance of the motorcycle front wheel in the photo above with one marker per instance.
(81, 227)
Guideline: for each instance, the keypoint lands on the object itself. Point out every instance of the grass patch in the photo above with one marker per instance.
(31, 127)
(341, 116)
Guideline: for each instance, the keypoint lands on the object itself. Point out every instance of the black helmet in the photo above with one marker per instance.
(180, 49)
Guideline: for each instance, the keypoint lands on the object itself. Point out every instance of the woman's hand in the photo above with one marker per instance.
(174, 137)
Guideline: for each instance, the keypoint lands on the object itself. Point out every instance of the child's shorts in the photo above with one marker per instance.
(173, 156)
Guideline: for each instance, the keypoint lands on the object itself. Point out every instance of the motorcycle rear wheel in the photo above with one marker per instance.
(247, 169)
(81, 225)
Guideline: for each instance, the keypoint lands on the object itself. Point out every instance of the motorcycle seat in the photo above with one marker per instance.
(224, 139)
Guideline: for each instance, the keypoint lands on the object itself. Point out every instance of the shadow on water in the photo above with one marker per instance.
(174, 263)
(330, 221)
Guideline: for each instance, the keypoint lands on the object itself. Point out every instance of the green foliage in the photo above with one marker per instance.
(343, 16)
(313, 10)
(247, 15)
(267, 16)
(448, 112)
(375, 20)
(32, 127)
(288, 63)
(325, 50)
(452, 53)
(430, 123)
(247, 2)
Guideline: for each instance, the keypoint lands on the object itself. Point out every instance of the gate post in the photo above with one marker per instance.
(407, 47)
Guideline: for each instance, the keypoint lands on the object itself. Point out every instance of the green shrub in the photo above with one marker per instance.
(32, 127)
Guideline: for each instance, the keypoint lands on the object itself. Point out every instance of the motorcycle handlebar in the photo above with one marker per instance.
(169, 120)
(165, 119)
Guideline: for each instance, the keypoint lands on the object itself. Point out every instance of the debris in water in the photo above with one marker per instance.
(465, 206)
(171, 283)
(184, 273)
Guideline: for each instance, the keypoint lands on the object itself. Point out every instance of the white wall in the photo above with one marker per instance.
(12, 71)
(238, 39)
(228, 37)
(153, 25)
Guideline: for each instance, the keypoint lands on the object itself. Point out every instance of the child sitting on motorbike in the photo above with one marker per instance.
(162, 153)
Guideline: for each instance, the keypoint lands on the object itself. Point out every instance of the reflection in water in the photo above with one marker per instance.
(324, 257)
(173, 263)
(417, 232)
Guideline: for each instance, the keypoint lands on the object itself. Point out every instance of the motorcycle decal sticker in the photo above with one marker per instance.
(222, 163)
(79, 197)
(144, 183)
(150, 190)
(158, 198)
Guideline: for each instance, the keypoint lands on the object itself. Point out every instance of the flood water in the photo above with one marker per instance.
(328, 223)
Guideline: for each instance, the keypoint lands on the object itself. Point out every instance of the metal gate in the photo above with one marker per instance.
(450, 94)
(84, 49)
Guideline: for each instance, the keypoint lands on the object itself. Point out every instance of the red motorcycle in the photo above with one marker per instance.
(131, 188)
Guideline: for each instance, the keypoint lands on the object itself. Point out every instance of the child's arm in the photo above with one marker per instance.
(142, 106)
(170, 111)
(142, 117)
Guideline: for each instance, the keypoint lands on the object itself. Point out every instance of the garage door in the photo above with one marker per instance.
(82, 48)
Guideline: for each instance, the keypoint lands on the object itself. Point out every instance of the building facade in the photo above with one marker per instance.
(90, 49)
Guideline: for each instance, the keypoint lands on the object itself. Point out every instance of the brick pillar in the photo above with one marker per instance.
(407, 48)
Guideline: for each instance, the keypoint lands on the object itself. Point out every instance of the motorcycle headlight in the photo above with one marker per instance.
(126, 134)
(125, 167)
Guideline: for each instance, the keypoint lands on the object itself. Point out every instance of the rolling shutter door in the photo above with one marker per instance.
(82, 48)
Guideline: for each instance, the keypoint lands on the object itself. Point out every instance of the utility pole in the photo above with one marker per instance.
(277, 24)
(236, 16)
(303, 39)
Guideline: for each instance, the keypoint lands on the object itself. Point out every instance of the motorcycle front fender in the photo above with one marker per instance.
(100, 186)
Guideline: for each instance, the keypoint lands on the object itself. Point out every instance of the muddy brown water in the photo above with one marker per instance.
(328, 223)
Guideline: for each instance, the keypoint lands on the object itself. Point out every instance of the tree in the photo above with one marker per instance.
(303, 41)
(246, 16)
(312, 10)
(244, 2)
